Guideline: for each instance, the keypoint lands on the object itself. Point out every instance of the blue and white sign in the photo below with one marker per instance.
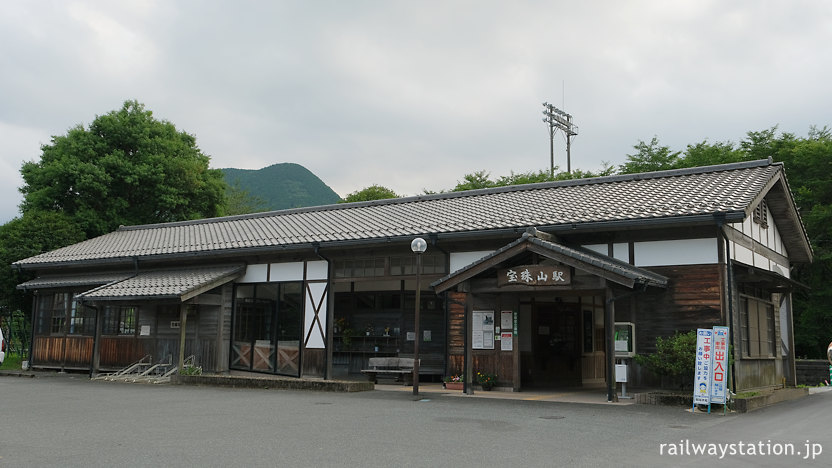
(704, 366)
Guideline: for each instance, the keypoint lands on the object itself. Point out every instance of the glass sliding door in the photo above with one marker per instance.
(267, 328)
(289, 328)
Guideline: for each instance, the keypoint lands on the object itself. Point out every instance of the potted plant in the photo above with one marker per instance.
(346, 337)
(454, 382)
(486, 380)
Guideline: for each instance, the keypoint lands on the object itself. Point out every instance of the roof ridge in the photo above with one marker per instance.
(468, 193)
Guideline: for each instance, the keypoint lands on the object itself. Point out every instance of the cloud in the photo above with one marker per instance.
(413, 96)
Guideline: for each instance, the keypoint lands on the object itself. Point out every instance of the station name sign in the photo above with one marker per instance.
(535, 275)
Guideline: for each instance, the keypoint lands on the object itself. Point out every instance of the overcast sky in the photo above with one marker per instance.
(412, 95)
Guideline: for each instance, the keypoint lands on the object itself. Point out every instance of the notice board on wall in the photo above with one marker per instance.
(482, 333)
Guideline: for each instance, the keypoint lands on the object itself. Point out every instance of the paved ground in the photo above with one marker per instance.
(71, 421)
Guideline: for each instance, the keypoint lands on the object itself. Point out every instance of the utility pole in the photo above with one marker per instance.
(559, 120)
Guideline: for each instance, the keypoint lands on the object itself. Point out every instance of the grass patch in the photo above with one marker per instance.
(12, 362)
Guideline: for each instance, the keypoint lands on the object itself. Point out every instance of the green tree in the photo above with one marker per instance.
(650, 157)
(706, 154)
(31, 234)
(373, 192)
(674, 357)
(126, 168)
(239, 201)
(473, 181)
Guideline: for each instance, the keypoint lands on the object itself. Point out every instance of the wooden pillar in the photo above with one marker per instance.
(330, 319)
(609, 324)
(220, 358)
(515, 351)
(183, 317)
(469, 365)
(96, 343)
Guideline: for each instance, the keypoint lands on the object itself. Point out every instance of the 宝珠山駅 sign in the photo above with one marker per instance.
(535, 275)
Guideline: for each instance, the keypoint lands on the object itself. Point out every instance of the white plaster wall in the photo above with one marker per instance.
(461, 260)
(314, 297)
(255, 274)
(676, 252)
(761, 262)
(286, 271)
(742, 254)
(769, 237)
(621, 251)
(317, 270)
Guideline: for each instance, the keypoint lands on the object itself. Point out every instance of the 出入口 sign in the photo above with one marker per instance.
(535, 275)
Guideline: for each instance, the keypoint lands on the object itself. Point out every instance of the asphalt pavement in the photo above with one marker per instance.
(72, 421)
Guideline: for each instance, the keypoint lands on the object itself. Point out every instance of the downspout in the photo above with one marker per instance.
(330, 311)
(730, 298)
(729, 293)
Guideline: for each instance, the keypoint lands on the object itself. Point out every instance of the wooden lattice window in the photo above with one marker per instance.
(761, 215)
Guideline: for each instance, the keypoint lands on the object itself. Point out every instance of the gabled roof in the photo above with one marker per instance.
(598, 264)
(696, 195)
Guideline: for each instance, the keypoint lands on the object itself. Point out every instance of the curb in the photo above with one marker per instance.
(272, 383)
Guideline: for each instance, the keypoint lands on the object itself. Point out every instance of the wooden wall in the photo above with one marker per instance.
(116, 352)
(692, 300)
(494, 360)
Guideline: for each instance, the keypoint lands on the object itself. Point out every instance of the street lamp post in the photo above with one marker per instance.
(418, 246)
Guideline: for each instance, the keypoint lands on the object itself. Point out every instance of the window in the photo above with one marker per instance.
(62, 302)
(406, 265)
(399, 266)
(52, 313)
(757, 323)
(119, 320)
(359, 267)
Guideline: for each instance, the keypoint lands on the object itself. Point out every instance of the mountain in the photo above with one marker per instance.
(281, 186)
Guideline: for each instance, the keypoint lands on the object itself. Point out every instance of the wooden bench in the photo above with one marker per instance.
(401, 368)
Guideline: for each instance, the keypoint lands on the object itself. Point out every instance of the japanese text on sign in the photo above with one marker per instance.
(535, 275)
(704, 359)
(720, 365)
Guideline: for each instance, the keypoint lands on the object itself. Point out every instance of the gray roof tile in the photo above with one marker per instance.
(633, 198)
(164, 284)
(73, 280)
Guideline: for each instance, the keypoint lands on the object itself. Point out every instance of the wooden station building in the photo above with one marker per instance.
(525, 282)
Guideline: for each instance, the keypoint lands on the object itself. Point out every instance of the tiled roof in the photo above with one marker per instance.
(637, 198)
(179, 283)
(72, 280)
